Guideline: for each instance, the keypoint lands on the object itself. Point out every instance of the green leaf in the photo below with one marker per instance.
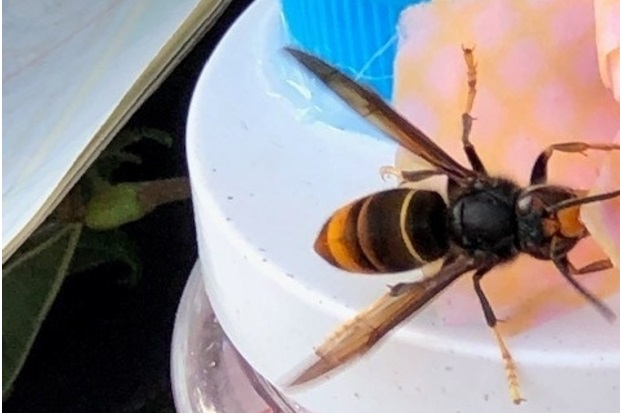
(30, 283)
(129, 136)
(116, 153)
(98, 247)
(114, 206)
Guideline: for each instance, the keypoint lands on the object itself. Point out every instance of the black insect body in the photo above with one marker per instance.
(483, 219)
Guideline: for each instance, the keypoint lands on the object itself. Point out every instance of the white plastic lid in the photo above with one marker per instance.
(264, 181)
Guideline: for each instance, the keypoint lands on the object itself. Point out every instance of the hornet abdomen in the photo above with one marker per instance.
(390, 231)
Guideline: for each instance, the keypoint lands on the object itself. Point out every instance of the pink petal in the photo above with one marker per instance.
(538, 83)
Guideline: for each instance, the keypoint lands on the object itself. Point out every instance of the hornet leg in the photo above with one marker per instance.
(489, 315)
(539, 171)
(467, 119)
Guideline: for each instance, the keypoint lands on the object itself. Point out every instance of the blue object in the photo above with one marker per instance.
(357, 36)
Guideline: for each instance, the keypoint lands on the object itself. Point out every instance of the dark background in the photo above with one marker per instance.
(105, 346)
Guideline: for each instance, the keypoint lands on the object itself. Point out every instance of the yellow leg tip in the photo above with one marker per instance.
(510, 368)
